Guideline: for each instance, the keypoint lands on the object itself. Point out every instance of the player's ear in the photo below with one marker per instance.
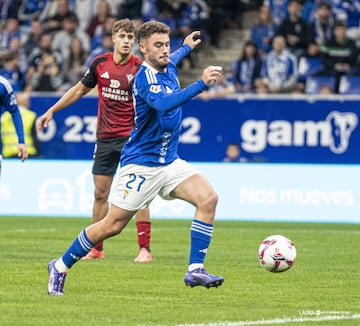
(142, 48)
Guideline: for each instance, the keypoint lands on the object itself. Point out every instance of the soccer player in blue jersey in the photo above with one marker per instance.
(8, 103)
(149, 161)
(113, 73)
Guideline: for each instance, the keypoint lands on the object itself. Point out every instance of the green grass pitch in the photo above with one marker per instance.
(322, 288)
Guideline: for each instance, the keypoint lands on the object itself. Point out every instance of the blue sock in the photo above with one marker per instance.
(79, 248)
(200, 234)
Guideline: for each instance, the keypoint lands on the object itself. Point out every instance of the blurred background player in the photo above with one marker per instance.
(113, 73)
(8, 132)
(8, 103)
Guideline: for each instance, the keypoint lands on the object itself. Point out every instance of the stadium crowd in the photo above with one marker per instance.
(295, 41)
(47, 45)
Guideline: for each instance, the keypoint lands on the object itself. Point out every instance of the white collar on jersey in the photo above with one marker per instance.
(151, 68)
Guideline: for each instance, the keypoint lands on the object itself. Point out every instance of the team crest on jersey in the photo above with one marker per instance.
(155, 89)
(129, 77)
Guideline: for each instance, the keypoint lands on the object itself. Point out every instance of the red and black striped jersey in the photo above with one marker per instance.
(115, 104)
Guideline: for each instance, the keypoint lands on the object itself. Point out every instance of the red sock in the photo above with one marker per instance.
(99, 246)
(143, 232)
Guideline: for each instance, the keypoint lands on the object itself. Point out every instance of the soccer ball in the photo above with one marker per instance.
(277, 253)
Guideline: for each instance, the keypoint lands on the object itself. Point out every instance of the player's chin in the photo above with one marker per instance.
(163, 62)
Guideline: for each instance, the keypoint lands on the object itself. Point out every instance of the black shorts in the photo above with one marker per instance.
(107, 155)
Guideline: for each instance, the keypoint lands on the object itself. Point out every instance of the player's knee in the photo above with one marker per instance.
(101, 195)
(210, 201)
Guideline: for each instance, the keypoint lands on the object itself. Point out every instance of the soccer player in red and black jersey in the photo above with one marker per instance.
(113, 73)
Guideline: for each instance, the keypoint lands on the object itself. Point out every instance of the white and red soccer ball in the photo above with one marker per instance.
(277, 253)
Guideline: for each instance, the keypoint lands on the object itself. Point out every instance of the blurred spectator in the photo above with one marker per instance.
(149, 9)
(232, 153)
(278, 10)
(9, 8)
(11, 71)
(295, 29)
(62, 6)
(309, 9)
(222, 88)
(10, 31)
(47, 77)
(33, 37)
(106, 46)
(106, 28)
(57, 12)
(31, 10)
(8, 132)
(167, 15)
(36, 54)
(74, 68)
(263, 31)
(280, 67)
(326, 90)
(247, 68)
(321, 29)
(103, 11)
(192, 15)
(85, 9)
(340, 55)
(16, 47)
(62, 38)
(349, 11)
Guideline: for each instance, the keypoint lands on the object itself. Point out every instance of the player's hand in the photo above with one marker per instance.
(211, 74)
(192, 40)
(44, 120)
(22, 152)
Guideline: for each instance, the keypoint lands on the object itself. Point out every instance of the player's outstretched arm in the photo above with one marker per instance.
(163, 101)
(190, 42)
(193, 39)
(70, 97)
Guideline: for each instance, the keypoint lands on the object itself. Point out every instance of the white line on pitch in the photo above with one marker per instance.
(277, 321)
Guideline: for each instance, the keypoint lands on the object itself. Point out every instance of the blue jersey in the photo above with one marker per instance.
(8, 103)
(157, 102)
